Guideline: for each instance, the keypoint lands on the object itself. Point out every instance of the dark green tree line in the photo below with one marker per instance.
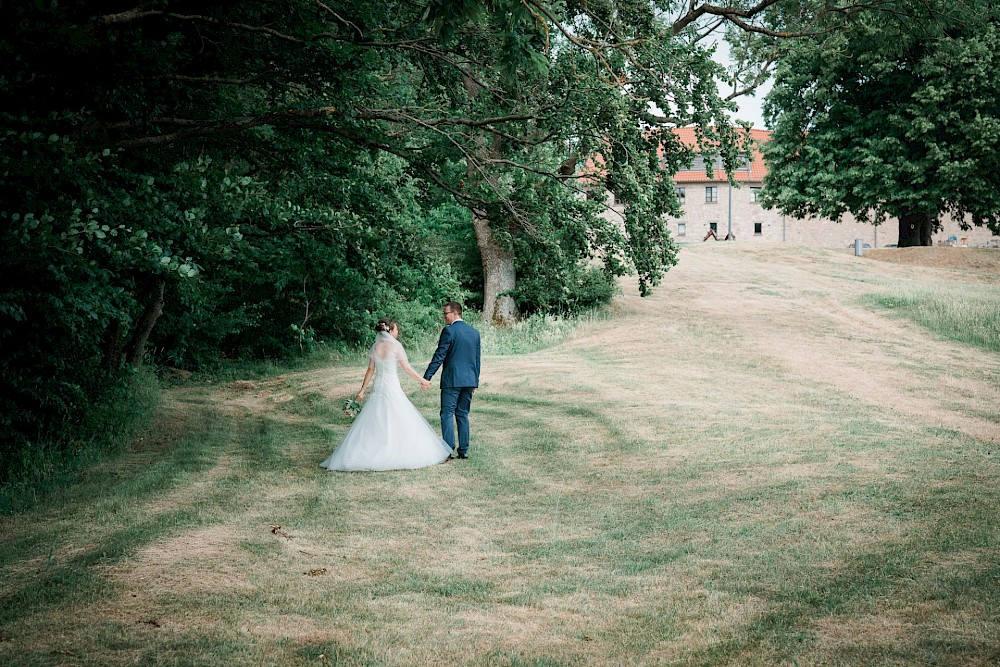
(146, 206)
(895, 116)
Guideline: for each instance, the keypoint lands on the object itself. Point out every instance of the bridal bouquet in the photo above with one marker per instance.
(351, 407)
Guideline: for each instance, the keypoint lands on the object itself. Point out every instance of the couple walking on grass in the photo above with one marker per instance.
(390, 433)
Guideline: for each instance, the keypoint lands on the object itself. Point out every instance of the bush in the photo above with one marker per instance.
(570, 291)
(33, 468)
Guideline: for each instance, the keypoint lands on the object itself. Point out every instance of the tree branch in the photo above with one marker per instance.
(204, 79)
(694, 13)
(433, 174)
(202, 128)
(340, 18)
(138, 14)
(757, 81)
(397, 116)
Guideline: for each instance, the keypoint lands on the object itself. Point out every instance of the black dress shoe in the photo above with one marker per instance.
(462, 456)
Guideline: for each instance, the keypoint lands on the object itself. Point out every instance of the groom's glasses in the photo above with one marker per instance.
(446, 312)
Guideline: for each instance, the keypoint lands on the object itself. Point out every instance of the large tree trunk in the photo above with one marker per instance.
(915, 229)
(926, 231)
(499, 277)
(112, 345)
(137, 345)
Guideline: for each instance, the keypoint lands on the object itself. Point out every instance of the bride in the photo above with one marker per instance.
(389, 433)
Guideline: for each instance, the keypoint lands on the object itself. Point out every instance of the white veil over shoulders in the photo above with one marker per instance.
(385, 346)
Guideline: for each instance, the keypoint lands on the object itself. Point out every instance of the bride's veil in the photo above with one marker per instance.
(384, 346)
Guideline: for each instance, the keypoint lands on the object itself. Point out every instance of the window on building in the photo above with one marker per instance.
(714, 226)
(758, 229)
(711, 194)
(754, 194)
(706, 163)
(681, 194)
(681, 229)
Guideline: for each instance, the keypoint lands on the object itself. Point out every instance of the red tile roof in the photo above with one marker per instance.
(757, 167)
(758, 170)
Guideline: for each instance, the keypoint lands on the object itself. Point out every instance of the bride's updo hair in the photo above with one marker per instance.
(385, 324)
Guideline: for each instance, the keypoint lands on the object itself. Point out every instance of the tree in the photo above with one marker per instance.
(467, 93)
(159, 192)
(239, 177)
(896, 116)
(526, 92)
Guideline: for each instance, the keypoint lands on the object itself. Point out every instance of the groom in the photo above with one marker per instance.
(458, 350)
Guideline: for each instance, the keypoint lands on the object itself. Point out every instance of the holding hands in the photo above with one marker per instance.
(424, 384)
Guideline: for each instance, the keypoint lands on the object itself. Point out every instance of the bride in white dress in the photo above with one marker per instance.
(389, 433)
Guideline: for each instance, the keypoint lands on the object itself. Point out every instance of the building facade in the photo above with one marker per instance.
(715, 210)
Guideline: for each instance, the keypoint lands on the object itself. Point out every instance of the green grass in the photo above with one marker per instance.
(622, 562)
(52, 466)
(531, 334)
(611, 514)
(968, 315)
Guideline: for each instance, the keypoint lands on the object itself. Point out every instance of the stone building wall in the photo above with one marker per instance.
(752, 223)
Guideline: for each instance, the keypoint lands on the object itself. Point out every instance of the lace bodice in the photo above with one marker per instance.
(386, 371)
(388, 355)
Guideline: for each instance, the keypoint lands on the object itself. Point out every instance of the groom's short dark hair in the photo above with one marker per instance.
(455, 306)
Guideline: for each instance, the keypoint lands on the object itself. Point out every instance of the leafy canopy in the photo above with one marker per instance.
(897, 115)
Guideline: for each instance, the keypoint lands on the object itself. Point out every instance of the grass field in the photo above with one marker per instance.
(767, 462)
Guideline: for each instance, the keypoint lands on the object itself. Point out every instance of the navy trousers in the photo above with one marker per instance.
(455, 404)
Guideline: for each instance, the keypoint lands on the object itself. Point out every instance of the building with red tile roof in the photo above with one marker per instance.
(713, 209)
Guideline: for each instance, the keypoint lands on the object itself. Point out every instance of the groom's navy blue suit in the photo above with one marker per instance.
(458, 350)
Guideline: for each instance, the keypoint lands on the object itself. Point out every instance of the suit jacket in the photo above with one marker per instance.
(458, 350)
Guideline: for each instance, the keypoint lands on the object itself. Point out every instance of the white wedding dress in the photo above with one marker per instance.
(389, 433)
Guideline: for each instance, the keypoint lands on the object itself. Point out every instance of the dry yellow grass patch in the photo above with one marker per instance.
(977, 260)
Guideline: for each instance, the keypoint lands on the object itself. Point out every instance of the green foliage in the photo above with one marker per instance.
(531, 334)
(304, 270)
(451, 241)
(558, 267)
(267, 242)
(286, 173)
(568, 106)
(352, 408)
(55, 459)
(895, 116)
